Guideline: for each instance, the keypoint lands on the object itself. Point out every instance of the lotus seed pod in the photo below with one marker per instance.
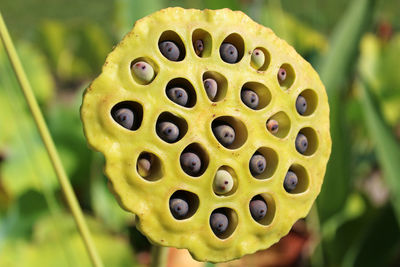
(219, 223)
(250, 98)
(211, 87)
(225, 134)
(190, 163)
(290, 181)
(301, 105)
(168, 131)
(228, 53)
(257, 58)
(258, 209)
(257, 164)
(125, 117)
(178, 95)
(172, 168)
(301, 143)
(198, 47)
(272, 126)
(170, 50)
(179, 207)
(282, 75)
(143, 71)
(223, 182)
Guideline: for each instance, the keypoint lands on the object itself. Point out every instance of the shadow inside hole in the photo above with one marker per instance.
(238, 126)
(269, 216)
(312, 140)
(290, 76)
(222, 83)
(302, 179)
(148, 61)
(197, 149)
(283, 124)
(155, 172)
(264, 95)
(232, 222)
(179, 122)
(236, 40)
(137, 110)
(271, 159)
(175, 38)
(187, 86)
(205, 37)
(312, 101)
(192, 200)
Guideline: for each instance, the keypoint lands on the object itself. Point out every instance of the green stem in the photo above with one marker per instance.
(49, 144)
(159, 256)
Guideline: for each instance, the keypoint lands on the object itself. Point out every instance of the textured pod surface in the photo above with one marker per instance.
(149, 198)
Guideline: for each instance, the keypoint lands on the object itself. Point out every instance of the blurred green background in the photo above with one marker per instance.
(355, 47)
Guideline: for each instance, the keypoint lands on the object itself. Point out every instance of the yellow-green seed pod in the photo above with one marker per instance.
(148, 194)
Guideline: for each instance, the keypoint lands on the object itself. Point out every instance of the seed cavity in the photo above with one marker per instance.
(249, 98)
(199, 47)
(178, 95)
(257, 58)
(223, 182)
(211, 87)
(225, 134)
(228, 53)
(301, 143)
(258, 208)
(168, 131)
(143, 71)
(301, 105)
(169, 50)
(257, 164)
(273, 126)
(290, 181)
(191, 163)
(219, 223)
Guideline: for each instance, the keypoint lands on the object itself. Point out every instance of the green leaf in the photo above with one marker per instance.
(334, 72)
(387, 148)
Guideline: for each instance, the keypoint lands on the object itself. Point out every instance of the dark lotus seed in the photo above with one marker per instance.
(249, 98)
(179, 207)
(301, 105)
(258, 209)
(281, 75)
(170, 50)
(190, 163)
(228, 53)
(225, 134)
(301, 143)
(198, 47)
(168, 131)
(290, 181)
(219, 223)
(178, 95)
(125, 117)
(257, 164)
(211, 87)
(272, 126)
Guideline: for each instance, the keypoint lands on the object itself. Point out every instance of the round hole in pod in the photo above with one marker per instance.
(239, 131)
(128, 114)
(168, 49)
(202, 43)
(183, 204)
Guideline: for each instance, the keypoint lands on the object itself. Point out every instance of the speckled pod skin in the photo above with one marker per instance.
(148, 197)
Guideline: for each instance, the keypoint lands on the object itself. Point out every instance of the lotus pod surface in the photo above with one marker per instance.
(146, 191)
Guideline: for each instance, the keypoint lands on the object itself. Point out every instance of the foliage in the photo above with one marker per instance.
(356, 220)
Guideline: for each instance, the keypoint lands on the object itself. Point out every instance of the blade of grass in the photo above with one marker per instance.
(334, 70)
(48, 142)
(387, 148)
